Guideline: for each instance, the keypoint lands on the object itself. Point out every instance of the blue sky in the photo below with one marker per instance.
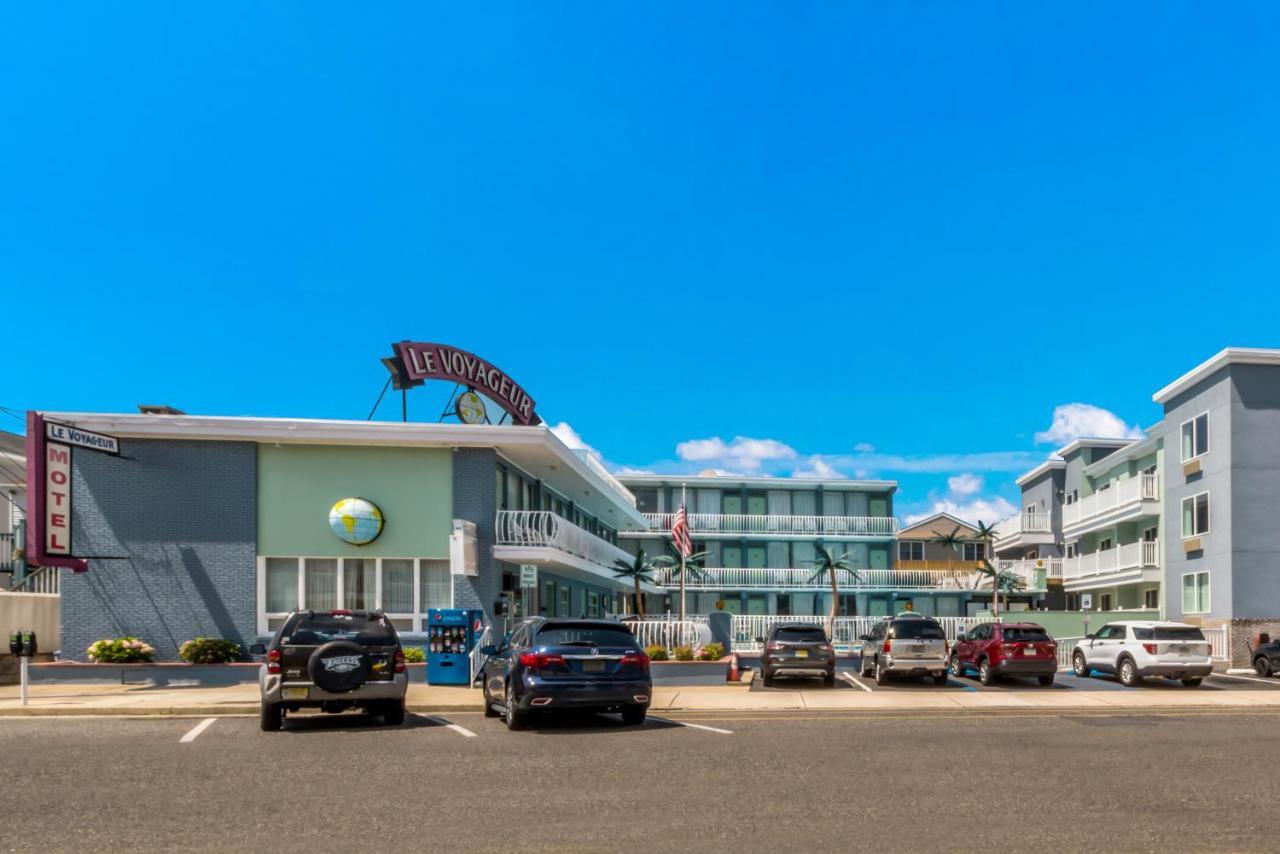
(883, 241)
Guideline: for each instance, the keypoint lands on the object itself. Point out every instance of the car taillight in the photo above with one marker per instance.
(273, 661)
(639, 659)
(1006, 648)
(773, 646)
(539, 660)
(399, 661)
(1150, 648)
(886, 648)
(340, 612)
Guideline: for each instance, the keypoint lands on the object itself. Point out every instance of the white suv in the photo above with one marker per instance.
(1133, 649)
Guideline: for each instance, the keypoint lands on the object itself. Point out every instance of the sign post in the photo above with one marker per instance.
(528, 576)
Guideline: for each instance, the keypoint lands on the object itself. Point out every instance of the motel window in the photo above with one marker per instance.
(646, 499)
(324, 584)
(1195, 593)
(1151, 597)
(974, 552)
(1105, 602)
(1071, 551)
(1195, 437)
(1073, 496)
(1195, 515)
(1105, 544)
(593, 604)
(908, 550)
(1073, 602)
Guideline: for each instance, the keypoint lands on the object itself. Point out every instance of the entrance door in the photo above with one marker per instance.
(757, 605)
(731, 556)
(879, 558)
(757, 557)
(731, 505)
(757, 505)
(878, 507)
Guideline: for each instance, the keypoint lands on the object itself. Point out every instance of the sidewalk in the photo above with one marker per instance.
(243, 699)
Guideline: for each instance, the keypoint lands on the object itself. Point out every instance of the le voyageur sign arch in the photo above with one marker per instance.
(415, 362)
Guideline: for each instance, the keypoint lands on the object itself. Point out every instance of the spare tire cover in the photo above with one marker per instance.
(339, 666)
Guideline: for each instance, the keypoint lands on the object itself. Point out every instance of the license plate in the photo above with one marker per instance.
(1182, 650)
(593, 666)
(917, 647)
(293, 693)
(1030, 650)
(802, 653)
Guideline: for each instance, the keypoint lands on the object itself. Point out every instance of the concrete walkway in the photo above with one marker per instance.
(243, 699)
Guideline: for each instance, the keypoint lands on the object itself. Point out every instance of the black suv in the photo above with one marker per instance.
(550, 665)
(797, 649)
(333, 661)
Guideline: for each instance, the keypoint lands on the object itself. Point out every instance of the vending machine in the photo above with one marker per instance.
(451, 635)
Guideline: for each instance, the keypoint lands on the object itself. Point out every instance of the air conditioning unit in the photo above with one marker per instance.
(462, 549)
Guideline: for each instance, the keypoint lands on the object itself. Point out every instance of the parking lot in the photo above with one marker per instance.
(742, 782)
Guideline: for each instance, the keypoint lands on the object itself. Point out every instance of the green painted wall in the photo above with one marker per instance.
(298, 484)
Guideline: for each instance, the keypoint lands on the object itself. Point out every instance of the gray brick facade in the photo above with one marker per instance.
(475, 499)
(170, 532)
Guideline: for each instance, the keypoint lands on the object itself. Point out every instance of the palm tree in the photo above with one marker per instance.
(828, 564)
(952, 542)
(690, 566)
(638, 570)
(987, 533)
(1002, 580)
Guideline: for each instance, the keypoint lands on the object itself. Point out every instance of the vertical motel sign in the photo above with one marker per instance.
(49, 448)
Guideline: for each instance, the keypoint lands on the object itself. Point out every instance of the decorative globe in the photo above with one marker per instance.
(356, 521)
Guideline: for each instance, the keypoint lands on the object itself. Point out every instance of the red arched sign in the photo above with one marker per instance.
(418, 361)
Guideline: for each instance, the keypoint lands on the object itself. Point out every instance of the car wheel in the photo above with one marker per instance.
(489, 710)
(985, 676)
(882, 675)
(1046, 681)
(515, 718)
(767, 678)
(1262, 665)
(1128, 673)
(863, 670)
(1193, 682)
(1078, 666)
(271, 717)
(829, 680)
(957, 669)
(634, 715)
(393, 713)
(940, 678)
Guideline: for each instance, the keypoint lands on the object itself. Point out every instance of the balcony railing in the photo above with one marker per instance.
(755, 578)
(1126, 493)
(717, 523)
(955, 566)
(1120, 559)
(544, 529)
(1027, 522)
(1052, 567)
(7, 546)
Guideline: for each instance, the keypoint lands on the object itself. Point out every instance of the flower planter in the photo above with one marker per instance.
(161, 674)
(674, 673)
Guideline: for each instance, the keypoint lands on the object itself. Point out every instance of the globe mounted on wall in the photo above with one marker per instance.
(356, 521)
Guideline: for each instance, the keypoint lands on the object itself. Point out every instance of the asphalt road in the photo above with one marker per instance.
(753, 782)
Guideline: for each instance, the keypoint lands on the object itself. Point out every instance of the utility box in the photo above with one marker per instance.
(462, 549)
(451, 636)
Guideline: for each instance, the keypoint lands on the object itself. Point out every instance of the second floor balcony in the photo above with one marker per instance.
(719, 524)
(787, 579)
(542, 538)
(1022, 529)
(1138, 561)
(1125, 499)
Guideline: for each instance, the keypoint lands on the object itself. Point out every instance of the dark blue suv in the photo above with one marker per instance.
(551, 665)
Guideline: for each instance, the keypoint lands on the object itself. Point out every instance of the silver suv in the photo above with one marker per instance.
(907, 646)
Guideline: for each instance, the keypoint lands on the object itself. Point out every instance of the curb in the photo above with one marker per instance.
(228, 709)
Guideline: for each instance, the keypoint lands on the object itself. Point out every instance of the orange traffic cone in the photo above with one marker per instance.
(735, 674)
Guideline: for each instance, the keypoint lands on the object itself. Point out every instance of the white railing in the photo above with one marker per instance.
(667, 617)
(1024, 567)
(1122, 493)
(544, 529)
(1219, 642)
(1119, 559)
(45, 580)
(477, 657)
(670, 633)
(716, 523)
(848, 630)
(753, 578)
(1027, 522)
(1066, 646)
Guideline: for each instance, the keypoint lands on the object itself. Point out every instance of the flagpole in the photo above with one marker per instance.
(686, 510)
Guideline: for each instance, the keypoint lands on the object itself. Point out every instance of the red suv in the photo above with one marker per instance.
(1006, 649)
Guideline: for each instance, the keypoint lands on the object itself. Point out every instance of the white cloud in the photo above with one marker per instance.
(565, 433)
(1084, 421)
(982, 509)
(820, 468)
(742, 453)
(629, 470)
(865, 448)
(965, 484)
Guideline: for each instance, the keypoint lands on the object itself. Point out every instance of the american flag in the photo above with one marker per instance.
(680, 532)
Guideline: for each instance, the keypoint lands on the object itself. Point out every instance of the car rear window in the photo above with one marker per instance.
(918, 630)
(315, 629)
(1172, 633)
(584, 636)
(799, 633)
(1025, 635)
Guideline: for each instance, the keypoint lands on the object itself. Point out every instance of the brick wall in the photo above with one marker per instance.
(170, 531)
(1243, 634)
(475, 499)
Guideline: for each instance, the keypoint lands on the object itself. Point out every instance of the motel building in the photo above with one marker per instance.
(761, 535)
(170, 526)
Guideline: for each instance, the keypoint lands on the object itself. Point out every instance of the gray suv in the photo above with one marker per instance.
(905, 646)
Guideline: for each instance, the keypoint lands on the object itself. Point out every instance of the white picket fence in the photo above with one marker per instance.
(748, 627)
(670, 633)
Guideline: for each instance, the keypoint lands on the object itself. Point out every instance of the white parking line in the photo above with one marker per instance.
(460, 730)
(692, 726)
(848, 677)
(196, 730)
(1272, 682)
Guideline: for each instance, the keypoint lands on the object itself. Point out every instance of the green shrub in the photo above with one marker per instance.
(684, 653)
(209, 651)
(656, 652)
(711, 652)
(127, 650)
(415, 654)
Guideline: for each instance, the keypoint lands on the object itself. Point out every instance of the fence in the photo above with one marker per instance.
(847, 630)
(670, 633)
